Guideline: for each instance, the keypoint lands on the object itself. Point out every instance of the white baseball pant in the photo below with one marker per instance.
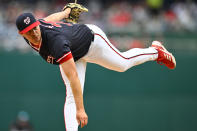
(103, 53)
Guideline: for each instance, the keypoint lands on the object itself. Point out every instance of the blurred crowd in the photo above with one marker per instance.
(113, 16)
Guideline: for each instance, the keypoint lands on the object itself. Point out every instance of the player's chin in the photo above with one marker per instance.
(36, 39)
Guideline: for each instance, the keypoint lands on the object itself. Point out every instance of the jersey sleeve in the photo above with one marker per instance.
(60, 49)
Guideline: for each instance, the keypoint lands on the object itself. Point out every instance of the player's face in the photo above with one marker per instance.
(33, 35)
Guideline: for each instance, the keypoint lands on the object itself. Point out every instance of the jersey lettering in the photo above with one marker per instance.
(53, 23)
(68, 24)
(57, 24)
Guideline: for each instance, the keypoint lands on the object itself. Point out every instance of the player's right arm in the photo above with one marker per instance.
(70, 70)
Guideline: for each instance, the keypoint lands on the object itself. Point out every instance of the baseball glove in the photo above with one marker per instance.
(76, 10)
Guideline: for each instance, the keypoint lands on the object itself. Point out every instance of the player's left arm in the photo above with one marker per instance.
(58, 16)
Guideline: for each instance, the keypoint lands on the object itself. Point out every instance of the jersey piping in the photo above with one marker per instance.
(120, 54)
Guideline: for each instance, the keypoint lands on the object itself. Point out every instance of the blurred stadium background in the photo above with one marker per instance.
(145, 98)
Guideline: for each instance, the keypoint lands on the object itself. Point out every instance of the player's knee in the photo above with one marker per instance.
(122, 69)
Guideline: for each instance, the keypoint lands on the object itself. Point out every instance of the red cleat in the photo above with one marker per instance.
(164, 57)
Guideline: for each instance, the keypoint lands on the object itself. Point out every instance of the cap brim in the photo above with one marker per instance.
(30, 27)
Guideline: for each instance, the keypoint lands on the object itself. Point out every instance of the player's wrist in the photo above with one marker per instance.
(67, 12)
(81, 108)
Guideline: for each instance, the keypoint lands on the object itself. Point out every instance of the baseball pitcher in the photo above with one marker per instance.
(72, 46)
